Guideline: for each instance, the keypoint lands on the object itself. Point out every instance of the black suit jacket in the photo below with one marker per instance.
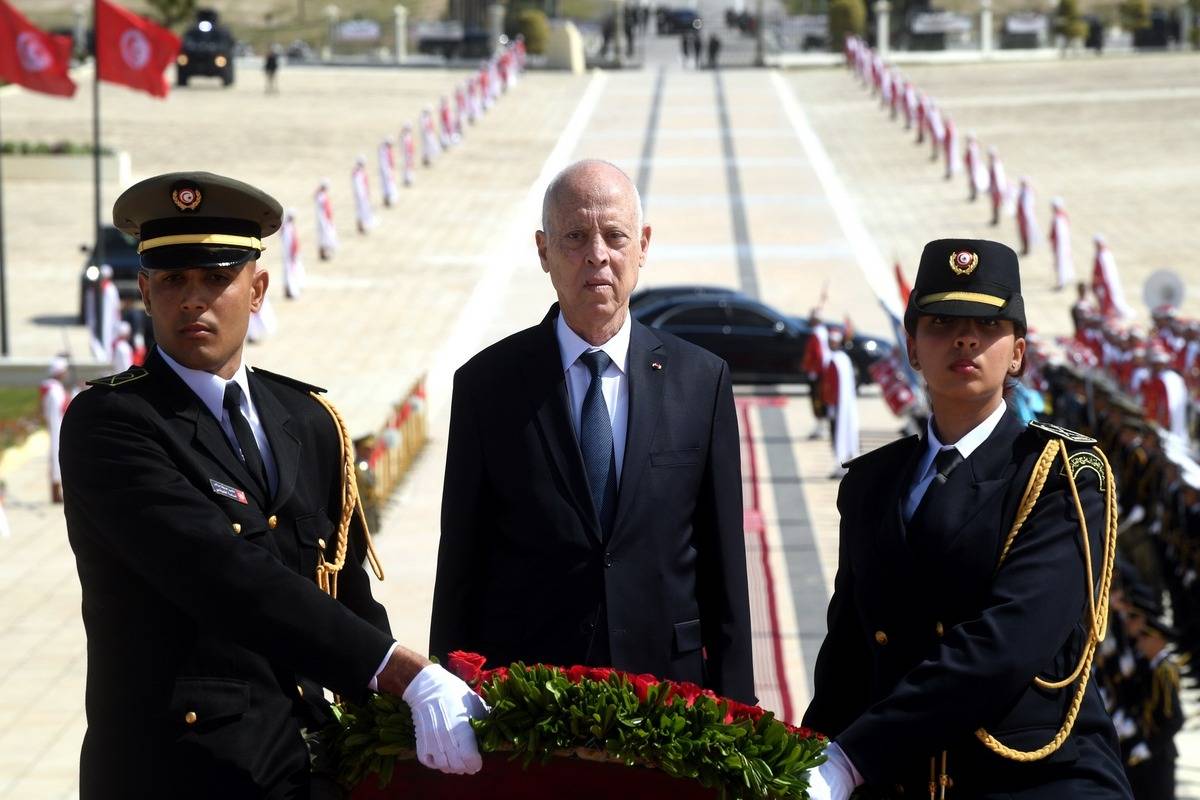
(208, 639)
(524, 572)
(928, 642)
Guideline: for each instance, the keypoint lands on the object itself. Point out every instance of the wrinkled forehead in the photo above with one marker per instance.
(593, 200)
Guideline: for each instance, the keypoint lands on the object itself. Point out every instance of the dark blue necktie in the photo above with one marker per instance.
(250, 454)
(596, 442)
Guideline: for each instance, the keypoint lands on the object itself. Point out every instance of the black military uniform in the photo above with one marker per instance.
(1157, 712)
(208, 638)
(939, 626)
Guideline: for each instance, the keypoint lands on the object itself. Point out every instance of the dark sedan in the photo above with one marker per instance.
(760, 344)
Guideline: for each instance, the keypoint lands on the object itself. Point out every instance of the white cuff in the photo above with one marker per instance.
(374, 684)
(837, 756)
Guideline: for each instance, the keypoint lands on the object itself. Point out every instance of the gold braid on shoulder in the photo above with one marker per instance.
(327, 571)
(1097, 601)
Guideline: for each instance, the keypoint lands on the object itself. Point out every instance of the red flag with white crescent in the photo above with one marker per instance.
(132, 50)
(31, 57)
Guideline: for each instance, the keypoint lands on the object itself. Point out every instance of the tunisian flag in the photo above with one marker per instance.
(131, 50)
(31, 57)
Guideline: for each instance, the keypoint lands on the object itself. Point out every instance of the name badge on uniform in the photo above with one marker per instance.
(228, 491)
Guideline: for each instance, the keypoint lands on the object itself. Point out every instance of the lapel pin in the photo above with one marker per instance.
(655, 365)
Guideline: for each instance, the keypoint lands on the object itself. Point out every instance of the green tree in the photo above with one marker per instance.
(846, 18)
(172, 12)
(1067, 21)
(1134, 14)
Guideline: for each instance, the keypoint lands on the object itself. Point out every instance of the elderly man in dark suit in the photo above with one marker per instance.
(204, 503)
(592, 511)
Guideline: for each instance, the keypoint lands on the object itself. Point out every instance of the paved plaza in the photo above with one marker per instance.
(783, 184)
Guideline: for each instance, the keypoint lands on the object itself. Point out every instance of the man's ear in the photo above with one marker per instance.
(143, 286)
(539, 239)
(645, 243)
(258, 286)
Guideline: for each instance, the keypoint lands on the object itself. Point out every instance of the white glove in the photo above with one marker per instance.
(1124, 725)
(835, 779)
(442, 706)
(1127, 663)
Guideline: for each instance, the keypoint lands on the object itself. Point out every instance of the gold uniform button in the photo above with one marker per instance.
(880, 637)
(941, 631)
(237, 528)
(272, 522)
(190, 718)
(299, 690)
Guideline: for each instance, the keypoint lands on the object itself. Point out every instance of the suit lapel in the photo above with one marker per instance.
(645, 403)
(546, 387)
(206, 431)
(285, 447)
(891, 534)
(971, 487)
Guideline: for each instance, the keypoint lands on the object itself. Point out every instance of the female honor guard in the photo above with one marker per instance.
(973, 575)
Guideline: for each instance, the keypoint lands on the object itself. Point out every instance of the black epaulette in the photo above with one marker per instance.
(121, 378)
(881, 451)
(1052, 431)
(284, 379)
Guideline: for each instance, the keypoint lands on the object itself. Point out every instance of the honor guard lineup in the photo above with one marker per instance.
(1055, 461)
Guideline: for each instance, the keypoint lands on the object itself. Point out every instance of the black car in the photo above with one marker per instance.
(760, 344)
(679, 20)
(207, 49)
(641, 300)
(120, 252)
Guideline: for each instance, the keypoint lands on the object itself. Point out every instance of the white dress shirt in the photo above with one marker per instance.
(965, 446)
(614, 381)
(210, 389)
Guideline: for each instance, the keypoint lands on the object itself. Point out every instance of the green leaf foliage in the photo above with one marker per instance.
(541, 712)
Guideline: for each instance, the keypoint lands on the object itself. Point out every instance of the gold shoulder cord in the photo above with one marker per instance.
(1097, 604)
(327, 572)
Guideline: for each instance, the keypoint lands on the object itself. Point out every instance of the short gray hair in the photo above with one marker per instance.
(557, 182)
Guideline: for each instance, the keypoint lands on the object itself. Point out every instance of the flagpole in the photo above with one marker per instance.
(3, 294)
(99, 249)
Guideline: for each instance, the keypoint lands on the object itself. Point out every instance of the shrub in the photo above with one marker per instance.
(1067, 21)
(846, 18)
(533, 25)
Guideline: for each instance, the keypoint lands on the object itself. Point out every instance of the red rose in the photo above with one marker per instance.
(500, 673)
(735, 711)
(600, 674)
(576, 673)
(688, 691)
(805, 733)
(466, 665)
(642, 684)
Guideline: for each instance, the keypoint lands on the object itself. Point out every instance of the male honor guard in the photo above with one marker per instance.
(219, 539)
(973, 575)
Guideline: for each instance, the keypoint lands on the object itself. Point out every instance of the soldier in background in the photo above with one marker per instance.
(1159, 715)
(122, 355)
(293, 266)
(54, 399)
(327, 239)
(816, 358)
(270, 68)
(364, 214)
(714, 50)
